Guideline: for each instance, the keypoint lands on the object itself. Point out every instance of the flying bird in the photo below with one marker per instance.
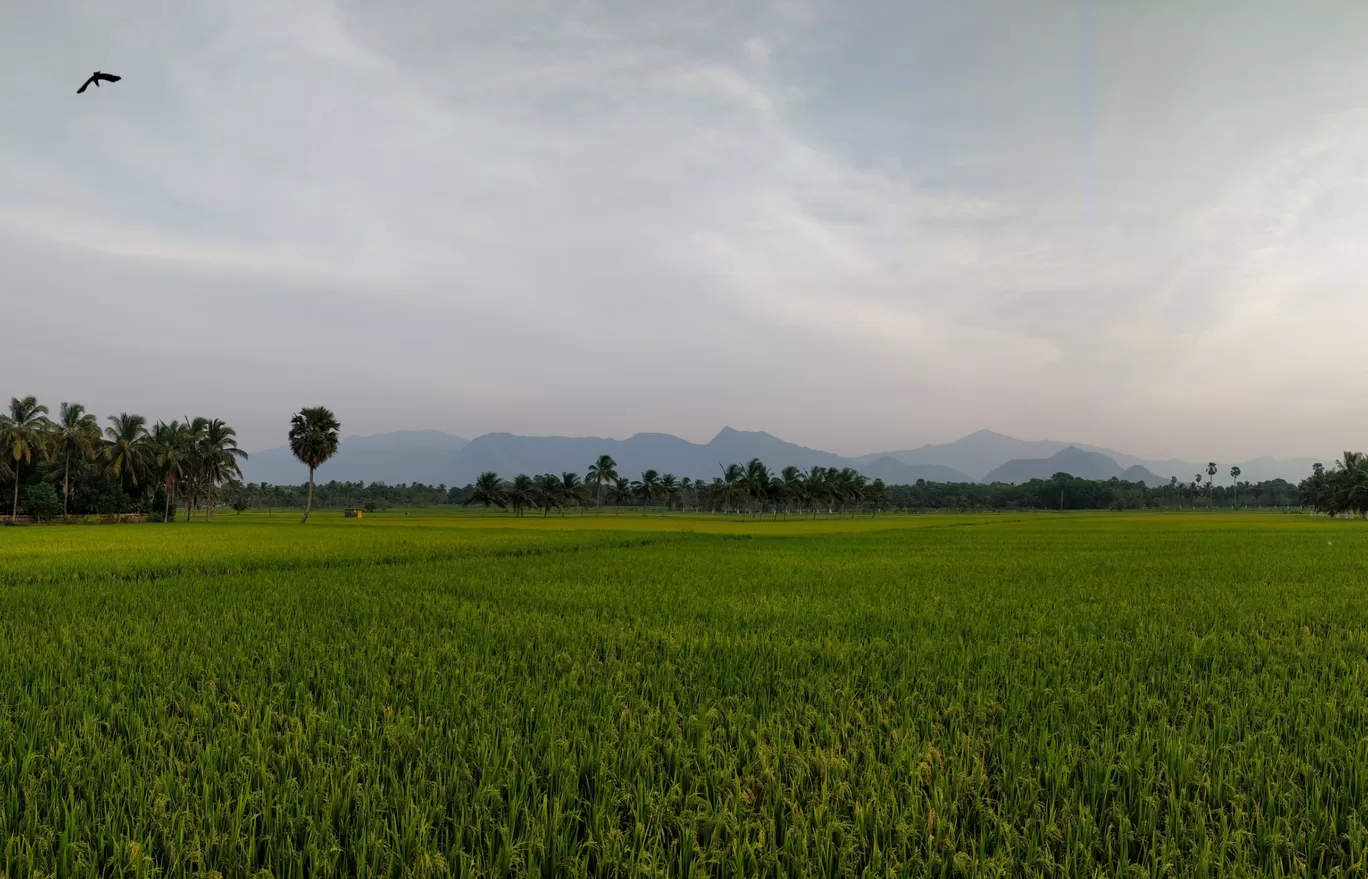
(95, 78)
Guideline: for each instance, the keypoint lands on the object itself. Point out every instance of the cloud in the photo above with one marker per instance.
(619, 217)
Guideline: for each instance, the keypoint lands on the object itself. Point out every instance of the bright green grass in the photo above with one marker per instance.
(994, 695)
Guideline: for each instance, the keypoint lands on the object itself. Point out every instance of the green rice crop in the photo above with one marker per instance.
(1103, 695)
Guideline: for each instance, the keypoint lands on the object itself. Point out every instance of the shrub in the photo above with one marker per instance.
(41, 501)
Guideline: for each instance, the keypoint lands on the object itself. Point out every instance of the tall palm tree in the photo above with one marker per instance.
(792, 487)
(574, 492)
(547, 490)
(731, 485)
(1211, 481)
(172, 453)
(601, 471)
(817, 487)
(23, 433)
(313, 440)
(686, 488)
(669, 485)
(648, 487)
(620, 491)
(217, 456)
(520, 493)
(1235, 483)
(126, 452)
(756, 483)
(489, 490)
(76, 432)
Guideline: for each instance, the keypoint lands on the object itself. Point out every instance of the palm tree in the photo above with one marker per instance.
(547, 491)
(126, 452)
(573, 490)
(601, 471)
(489, 490)
(817, 489)
(621, 491)
(648, 488)
(791, 487)
(23, 432)
(756, 483)
(217, 455)
(731, 485)
(668, 486)
(1211, 481)
(686, 488)
(1235, 481)
(878, 495)
(520, 493)
(75, 431)
(172, 453)
(313, 440)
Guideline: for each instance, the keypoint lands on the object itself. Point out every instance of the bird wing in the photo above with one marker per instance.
(85, 85)
(107, 77)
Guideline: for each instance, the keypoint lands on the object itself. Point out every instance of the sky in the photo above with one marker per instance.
(858, 225)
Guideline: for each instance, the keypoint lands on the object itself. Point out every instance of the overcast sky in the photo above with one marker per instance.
(858, 225)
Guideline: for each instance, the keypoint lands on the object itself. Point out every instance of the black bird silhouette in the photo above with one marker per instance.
(95, 78)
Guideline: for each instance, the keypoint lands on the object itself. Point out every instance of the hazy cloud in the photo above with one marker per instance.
(860, 226)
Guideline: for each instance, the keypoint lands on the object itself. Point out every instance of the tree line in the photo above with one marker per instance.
(131, 467)
(68, 464)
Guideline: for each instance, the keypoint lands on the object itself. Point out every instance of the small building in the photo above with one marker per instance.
(353, 513)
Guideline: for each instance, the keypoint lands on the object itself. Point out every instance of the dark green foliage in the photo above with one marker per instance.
(41, 501)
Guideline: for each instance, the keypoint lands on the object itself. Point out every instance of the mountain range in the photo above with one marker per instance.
(433, 457)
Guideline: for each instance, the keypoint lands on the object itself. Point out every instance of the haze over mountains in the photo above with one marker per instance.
(433, 457)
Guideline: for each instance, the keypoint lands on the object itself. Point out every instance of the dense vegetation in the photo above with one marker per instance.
(786, 496)
(68, 465)
(1341, 490)
(1015, 696)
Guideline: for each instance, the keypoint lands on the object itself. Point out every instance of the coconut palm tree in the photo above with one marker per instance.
(730, 486)
(792, 487)
(489, 490)
(546, 489)
(648, 487)
(76, 432)
(126, 450)
(686, 488)
(755, 482)
(172, 454)
(574, 492)
(23, 434)
(601, 471)
(1235, 482)
(216, 459)
(669, 485)
(817, 489)
(313, 440)
(520, 493)
(1211, 480)
(620, 491)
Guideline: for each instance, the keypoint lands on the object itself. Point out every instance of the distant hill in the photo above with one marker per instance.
(402, 457)
(895, 472)
(1137, 473)
(1071, 460)
(984, 451)
(508, 455)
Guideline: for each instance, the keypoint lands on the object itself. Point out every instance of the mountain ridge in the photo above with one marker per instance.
(435, 457)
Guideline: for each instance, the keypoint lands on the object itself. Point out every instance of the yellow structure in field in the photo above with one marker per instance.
(352, 514)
